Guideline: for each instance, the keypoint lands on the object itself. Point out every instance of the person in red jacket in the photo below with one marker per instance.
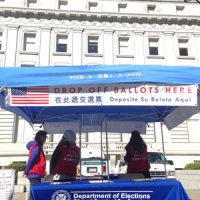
(65, 158)
(136, 155)
(36, 165)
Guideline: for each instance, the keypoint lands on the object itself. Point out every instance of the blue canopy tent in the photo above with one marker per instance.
(171, 115)
(100, 74)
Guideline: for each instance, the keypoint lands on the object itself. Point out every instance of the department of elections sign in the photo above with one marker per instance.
(101, 195)
(105, 95)
(61, 195)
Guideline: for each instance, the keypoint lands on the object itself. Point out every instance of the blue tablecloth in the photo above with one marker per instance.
(160, 189)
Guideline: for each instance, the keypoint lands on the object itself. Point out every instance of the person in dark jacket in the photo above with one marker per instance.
(36, 165)
(136, 155)
(65, 158)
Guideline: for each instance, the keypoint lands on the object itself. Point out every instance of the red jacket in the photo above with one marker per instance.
(139, 161)
(40, 166)
(68, 160)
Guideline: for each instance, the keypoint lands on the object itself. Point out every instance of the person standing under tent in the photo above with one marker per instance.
(65, 158)
(36, 165)
(136, 155)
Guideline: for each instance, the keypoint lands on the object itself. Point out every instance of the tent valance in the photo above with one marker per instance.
(97, 74)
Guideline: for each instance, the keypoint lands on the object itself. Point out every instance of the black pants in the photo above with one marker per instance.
(34, 180)
(146, 174)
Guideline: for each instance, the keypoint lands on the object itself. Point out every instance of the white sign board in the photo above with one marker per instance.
(105, 95)
(7, 182)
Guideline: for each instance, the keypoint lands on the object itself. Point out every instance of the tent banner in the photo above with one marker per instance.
(104, 95)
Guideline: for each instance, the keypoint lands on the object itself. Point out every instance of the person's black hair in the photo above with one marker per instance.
(38, 137)
(136, 142)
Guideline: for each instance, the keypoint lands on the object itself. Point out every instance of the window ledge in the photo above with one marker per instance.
(124, 56)
(61, 54)
(155, 57)
(186, 57)
(28, 53)
(2, 52)
(93, 55)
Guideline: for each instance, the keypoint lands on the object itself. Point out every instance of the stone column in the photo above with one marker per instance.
(197, 47)
(45, 46)
(108, 47)
(139, 47)
(193, 125)
(170, 48)
(77, 47)
(11, 46)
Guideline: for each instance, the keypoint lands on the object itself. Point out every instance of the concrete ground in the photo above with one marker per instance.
(193, 194)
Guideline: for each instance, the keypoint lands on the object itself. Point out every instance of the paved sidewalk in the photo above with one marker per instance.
(19, 196)
(193, 194)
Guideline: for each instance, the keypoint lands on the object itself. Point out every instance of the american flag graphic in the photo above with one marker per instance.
(31, 95)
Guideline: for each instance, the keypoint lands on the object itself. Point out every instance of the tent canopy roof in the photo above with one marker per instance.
(99, 74)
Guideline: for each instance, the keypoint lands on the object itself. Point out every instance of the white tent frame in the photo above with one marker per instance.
(107, 152)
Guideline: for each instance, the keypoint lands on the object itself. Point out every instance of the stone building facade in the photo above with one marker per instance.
(36, 33)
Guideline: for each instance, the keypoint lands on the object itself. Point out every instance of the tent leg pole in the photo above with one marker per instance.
(80, 126)
(108, 168)
(163, 148)
(101, 151)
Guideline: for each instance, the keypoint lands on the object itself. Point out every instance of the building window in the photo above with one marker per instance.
(183, 47)
(92, 6)
(93, 44)
(62, 4)
(29, 42)
(27, 65)
(151, 8)
(179, 9)
(153, 46)
(1, 40)
(121, 7)
(31, 3)
(61, 43)
(124, 46)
